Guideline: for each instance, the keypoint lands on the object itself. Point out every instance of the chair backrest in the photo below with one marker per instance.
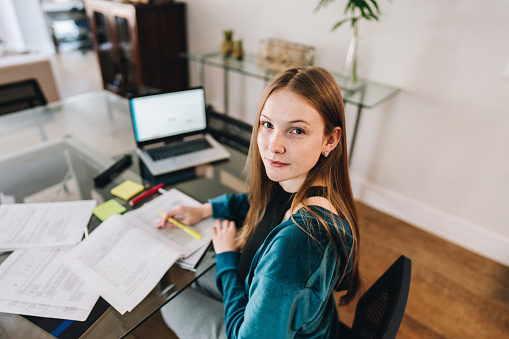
(230, 131)
(21, 95)
(380, 309)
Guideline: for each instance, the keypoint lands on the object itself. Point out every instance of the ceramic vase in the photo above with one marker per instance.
(227, 44)
(238, 50)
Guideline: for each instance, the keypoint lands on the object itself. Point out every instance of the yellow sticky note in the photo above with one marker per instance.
(127, 189)
(107, 209)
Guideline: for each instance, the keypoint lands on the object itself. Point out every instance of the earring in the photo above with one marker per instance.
(325, 154)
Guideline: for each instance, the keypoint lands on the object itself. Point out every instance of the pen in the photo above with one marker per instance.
(184, 228)
(145, 194)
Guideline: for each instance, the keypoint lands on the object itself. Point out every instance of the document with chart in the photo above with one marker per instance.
(35, 282)
(43, 224)
(126, 256)
(148, 216)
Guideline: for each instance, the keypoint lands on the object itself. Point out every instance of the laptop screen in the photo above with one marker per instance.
(169, 114)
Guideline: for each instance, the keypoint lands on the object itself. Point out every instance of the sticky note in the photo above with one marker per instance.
(127, 189)
(107, 209)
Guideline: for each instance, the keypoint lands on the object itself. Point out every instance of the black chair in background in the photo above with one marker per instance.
(229, 131)
(380, 309)
(21, 95)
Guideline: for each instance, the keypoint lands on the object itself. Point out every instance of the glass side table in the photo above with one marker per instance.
(367, 94)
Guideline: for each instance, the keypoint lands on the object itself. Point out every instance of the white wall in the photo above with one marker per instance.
(10, 31)
(435, 155)
(33, 26)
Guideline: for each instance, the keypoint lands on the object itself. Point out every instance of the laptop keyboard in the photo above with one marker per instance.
(178, 148)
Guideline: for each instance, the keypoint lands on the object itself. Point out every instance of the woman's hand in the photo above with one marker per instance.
(223, 236)
(187, 215)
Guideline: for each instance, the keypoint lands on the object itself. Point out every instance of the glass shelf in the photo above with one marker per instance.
(368, 94)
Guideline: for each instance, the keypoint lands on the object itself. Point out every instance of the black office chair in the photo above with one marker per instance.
(380, 309)
(17, 96)
(230, 131)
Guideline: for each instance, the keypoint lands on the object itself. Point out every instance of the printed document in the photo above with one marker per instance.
(147, 216)
(126, 256)
(43, 224)
(35, 282)
(43, 310)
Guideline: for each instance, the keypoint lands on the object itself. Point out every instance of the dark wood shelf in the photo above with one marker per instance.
(139, 45)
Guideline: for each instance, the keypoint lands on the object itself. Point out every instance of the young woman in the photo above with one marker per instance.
(298, 241)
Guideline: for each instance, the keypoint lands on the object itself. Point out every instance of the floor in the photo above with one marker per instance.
(454, 293)
(77, 72)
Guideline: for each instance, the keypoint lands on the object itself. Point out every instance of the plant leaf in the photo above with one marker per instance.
(370, 11)
(339, 23)
(354, 20)
(367, 9)
(364, 7)
(376, 6)
(323, 4)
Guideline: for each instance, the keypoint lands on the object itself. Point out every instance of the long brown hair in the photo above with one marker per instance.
(319, 89)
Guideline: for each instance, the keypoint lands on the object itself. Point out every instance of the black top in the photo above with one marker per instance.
(274, 214)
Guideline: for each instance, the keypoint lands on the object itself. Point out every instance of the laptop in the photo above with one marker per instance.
(170, 131)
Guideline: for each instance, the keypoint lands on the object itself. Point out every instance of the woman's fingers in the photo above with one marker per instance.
(216, 227)
(223, 225)
(223, 236)
(227, 224)
(231, 226)
(163, 221)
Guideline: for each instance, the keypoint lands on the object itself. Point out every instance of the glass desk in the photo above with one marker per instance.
(367, 94)
(52, 153)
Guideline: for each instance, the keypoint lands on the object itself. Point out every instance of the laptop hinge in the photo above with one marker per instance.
(158, 144)
(194, 136)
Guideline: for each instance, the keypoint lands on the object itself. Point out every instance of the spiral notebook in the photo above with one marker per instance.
(190, 262)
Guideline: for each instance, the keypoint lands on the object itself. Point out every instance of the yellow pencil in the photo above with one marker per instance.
(183, 227)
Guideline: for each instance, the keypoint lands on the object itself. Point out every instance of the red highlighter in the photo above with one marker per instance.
(145, 194)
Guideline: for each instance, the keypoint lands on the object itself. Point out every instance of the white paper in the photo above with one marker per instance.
(126, 256)
(43, 310)
(39, 276)
(190, 262)
(148, 216)
(122, 261)
(43, 224)
(35, 282)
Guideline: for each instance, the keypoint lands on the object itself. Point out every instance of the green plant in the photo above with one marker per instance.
(355, 9)
(228, 35)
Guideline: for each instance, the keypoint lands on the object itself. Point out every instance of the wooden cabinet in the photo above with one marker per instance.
(139, 45)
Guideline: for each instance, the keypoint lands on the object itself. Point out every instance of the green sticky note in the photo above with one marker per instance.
(107, 209)
(127, 189)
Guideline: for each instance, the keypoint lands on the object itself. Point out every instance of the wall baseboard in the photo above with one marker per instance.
(458, 231)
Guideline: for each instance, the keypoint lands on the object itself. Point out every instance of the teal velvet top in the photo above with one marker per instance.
(293, 278)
